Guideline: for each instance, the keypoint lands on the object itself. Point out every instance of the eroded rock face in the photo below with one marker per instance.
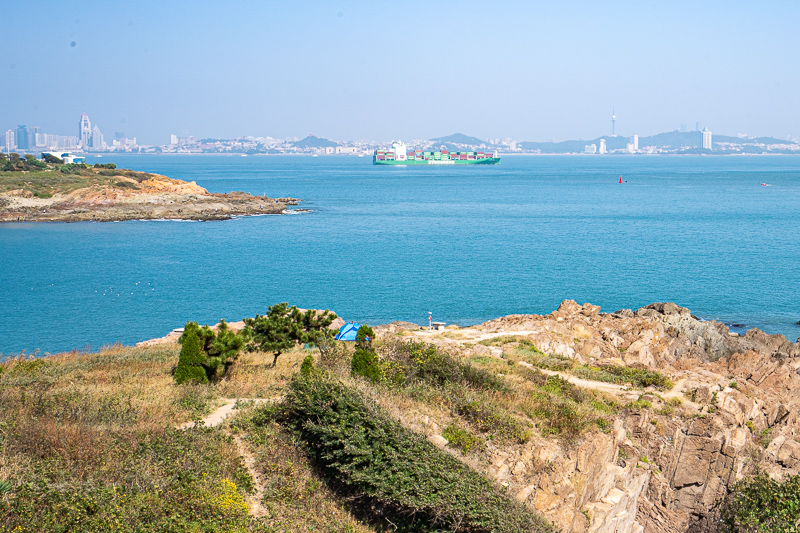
(662, 469)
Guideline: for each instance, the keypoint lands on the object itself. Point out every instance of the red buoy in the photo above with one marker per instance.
(620, 179)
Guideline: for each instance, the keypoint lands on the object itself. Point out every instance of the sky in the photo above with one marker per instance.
(382, 70)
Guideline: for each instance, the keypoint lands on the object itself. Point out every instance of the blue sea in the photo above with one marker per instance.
(380, 244)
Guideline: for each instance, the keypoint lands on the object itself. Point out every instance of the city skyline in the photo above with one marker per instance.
(91, 138)
(351, 70)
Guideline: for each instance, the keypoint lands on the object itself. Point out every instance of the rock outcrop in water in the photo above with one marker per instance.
(664, 468)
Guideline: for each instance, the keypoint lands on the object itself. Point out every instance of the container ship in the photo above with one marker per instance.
(399, 155)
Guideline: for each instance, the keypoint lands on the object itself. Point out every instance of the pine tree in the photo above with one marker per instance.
(282, 327)
(190, 361)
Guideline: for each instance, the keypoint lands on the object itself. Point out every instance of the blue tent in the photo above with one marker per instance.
(348, 332)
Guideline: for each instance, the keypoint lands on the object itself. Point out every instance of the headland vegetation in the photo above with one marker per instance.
(581, 421)
(33, 190)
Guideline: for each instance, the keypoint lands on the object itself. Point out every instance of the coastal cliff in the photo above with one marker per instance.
(666, 461)
(106, 195)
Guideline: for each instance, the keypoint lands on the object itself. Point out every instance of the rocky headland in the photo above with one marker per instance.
(666, 465)
(128, 195)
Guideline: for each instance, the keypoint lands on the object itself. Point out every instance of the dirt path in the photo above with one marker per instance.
(215, 419)
(219, 416)
(254, 500)
(611, 388)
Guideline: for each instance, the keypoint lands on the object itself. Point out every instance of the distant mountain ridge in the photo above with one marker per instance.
(315, 142)
(683, 141)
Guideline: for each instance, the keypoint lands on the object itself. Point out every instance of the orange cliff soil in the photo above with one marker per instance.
(157, 197)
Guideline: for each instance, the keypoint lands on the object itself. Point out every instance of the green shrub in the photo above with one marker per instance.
(487, 418)
(762, 505)
(560, 416)
(308, 365)
(190, 361)
(425, 363)
(639, 404)
(638, 377)
(392, 472)
(460, 438)
(365, 363)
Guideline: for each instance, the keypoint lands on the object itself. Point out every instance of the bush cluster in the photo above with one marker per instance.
(418, 362)
(206, 354)
(638, 377)
(760, 505)
(392, 471)
(564, 409)
(487, 418)
(13, 162)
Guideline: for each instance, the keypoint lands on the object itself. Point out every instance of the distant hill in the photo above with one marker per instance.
(689, 141)
(754, 140)
(314, 142)
(459, 138)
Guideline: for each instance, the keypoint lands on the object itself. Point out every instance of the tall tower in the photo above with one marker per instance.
(613, 120)
(86, 131)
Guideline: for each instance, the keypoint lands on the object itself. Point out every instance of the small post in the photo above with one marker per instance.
(430, 321)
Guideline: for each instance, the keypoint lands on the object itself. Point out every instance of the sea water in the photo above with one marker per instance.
(719, 235)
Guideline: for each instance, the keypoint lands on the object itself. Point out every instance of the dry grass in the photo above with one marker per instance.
(295, 497)
(76, 422)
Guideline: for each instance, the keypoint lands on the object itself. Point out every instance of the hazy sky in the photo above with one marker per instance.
(387, 70)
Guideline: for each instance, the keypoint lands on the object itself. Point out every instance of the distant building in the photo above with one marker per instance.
(97, 139)
(173, 139)
(66, 157)
(346, 150)
(635, 142)
(11, 141)
(22, 137)
(85, 131)
(602, 149)
(590, 149)
(32, 133)
(513, 146)
(706, 139)
(629, 148)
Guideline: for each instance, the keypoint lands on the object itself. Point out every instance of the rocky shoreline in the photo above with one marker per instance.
(155, 198)
(666, 457)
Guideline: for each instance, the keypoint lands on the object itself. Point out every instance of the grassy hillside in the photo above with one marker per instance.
(46, 179)
(88, 443)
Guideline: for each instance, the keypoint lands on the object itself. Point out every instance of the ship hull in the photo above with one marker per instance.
(446, 162)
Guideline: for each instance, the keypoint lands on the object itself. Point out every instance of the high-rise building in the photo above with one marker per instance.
(22, 137)
(32, 132)
(707, 139)
(173, 139)
(11, 142)
(97, 139)
(602, 149)
(85, 131)
(635, 142)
